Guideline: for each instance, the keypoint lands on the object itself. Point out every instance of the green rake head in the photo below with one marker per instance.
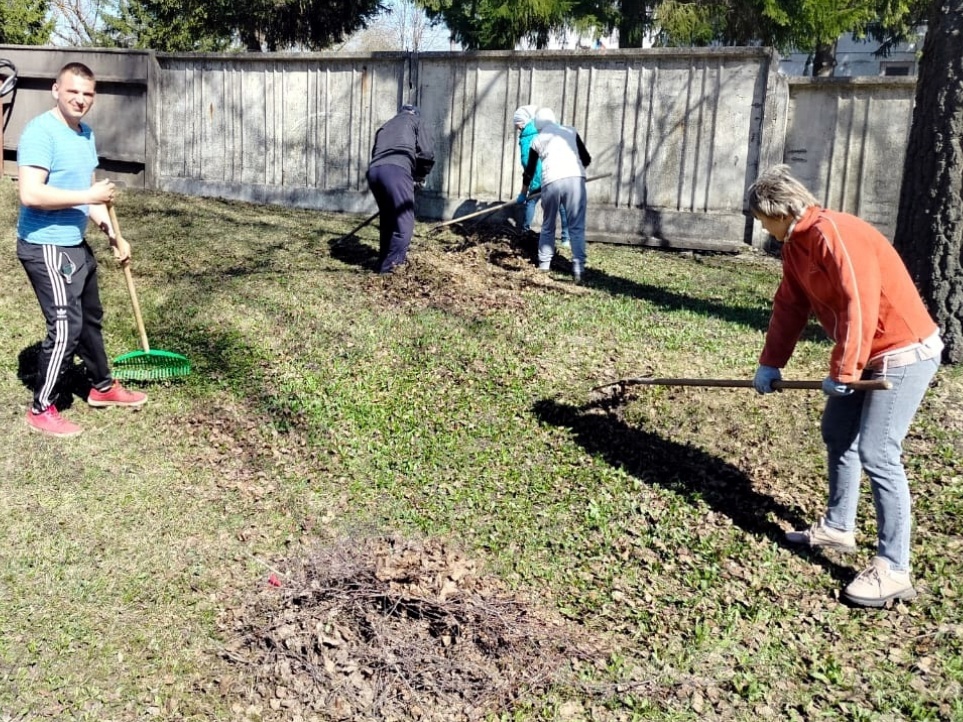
(150, 366)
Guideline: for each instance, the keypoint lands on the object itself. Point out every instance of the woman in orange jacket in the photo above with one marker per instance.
(846, 273)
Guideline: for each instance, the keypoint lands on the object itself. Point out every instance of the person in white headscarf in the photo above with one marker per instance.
(564, 159)
(524, 122)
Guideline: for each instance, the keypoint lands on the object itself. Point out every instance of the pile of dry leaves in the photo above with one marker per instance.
(392, 629)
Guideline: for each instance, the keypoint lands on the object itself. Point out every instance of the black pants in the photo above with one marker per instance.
(65, 281)
(394, 192)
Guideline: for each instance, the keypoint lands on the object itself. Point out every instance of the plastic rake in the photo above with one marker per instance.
(146, 364)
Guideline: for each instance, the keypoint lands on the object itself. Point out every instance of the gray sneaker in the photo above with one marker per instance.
(820, 535)
(879, 584)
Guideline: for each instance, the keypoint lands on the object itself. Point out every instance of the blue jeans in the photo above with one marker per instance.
(530, 216)
(565, 194)
(865, 431)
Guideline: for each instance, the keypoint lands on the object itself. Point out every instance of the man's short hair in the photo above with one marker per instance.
(77, 69)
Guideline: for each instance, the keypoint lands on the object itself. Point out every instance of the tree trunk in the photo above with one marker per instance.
(632, 25)
(251, 40)
(929, 227)
(824, 59)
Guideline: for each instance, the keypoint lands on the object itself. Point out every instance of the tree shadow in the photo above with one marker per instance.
(683, 469)
(755, 317)
(752, 316)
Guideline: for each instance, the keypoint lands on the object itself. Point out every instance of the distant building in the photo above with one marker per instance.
(856, 57)
(571, 39)
(853, 57)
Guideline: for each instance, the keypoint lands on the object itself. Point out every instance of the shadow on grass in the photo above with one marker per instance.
(751, 317)
(225, 360)
(353, 252)
(73, 381)
(682, 469)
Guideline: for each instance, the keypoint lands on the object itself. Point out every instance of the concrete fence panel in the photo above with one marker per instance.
(682, 133)
(119, 115)
(846, 140)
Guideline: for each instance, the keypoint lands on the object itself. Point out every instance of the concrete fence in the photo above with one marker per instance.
(682, 133)
(120, 116)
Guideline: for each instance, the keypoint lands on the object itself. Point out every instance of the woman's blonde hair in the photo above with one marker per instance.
(776, 194)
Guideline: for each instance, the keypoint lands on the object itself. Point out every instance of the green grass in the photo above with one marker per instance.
(453, 400)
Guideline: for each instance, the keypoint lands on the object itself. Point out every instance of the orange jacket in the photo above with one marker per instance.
(847, 273)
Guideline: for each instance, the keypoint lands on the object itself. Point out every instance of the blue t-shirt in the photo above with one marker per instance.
(69, 157)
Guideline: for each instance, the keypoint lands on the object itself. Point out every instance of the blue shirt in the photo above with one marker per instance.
(525, 139)
(69, 157)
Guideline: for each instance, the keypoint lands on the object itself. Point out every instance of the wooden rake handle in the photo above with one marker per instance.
(492, 209)
(482, 212)
(130, 283)
(870, 385)
(357, 228)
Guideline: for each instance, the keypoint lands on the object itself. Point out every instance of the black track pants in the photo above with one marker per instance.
(394, 192)
(65, 281)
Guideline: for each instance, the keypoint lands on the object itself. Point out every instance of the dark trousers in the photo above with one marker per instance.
(65, 281)
(394, 192)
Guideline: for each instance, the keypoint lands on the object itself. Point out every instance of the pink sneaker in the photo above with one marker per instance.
(51, 422)
(116, 395)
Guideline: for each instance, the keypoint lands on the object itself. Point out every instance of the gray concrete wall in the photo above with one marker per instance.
(846, 140)
(682, 133)
(119, 115)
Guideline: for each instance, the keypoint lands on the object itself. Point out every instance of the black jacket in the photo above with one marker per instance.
(400, 142)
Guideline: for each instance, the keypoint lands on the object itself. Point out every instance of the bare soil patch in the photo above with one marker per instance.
(472, 272)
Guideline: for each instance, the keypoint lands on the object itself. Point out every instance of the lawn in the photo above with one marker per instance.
(449, 406)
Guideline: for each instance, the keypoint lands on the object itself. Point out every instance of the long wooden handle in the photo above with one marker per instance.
(359, 227)
(130, 283)
(870, 385)
(482, 212)
(136, 305)
(492, 209)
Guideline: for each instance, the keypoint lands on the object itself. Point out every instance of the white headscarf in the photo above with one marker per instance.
(523, 115)
(543, 117)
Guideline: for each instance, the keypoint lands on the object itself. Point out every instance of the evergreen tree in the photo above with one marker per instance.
(499, 24)
(24, 22)
(929, 228)
(898, 21)
(807, 25)
(812, 26)
(164, 26)
(254, 25)
(679, 23)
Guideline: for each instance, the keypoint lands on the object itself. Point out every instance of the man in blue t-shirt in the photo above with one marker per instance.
(56, 160)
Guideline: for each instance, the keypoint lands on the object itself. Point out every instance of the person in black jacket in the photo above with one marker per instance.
(401, 158)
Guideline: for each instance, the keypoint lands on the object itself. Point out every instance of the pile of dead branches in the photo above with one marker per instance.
(391, 629)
